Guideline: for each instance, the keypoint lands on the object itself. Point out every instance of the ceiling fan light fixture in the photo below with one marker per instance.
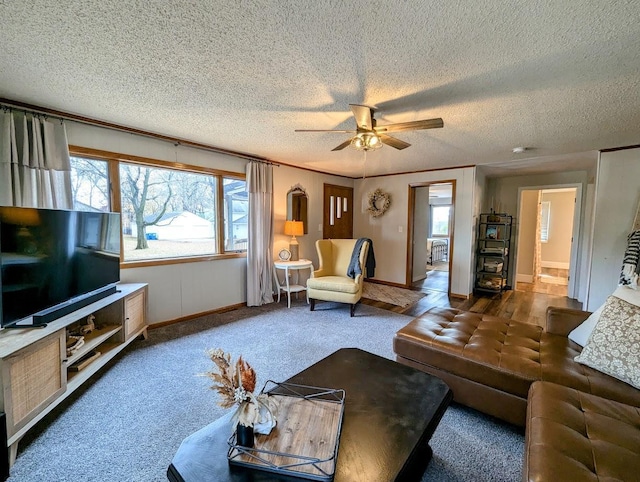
(366, 141)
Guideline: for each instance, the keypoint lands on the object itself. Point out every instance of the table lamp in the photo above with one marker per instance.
(293, 229)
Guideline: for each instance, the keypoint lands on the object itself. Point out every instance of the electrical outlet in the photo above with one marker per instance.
(320, 227)
(400, 229)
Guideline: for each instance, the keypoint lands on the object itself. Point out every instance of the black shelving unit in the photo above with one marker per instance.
(492, 253)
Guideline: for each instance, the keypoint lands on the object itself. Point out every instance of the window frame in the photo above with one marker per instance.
(114, 159)
(431, 218)
(545, 221)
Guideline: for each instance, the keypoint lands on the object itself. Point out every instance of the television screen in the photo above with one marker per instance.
(50, 257)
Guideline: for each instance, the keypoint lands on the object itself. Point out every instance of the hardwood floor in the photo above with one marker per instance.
(435, 281)
(518, 305)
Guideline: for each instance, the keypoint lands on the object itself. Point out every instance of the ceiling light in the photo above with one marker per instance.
(366, 141)
(519, 150)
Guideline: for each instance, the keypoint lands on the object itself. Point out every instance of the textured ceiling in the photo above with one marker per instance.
(558, 77)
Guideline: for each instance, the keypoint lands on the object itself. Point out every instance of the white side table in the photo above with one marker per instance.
(285, 284)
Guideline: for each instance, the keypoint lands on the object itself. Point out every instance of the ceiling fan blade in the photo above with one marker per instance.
(342, 146)
(411, 126)
(326, 130)
(363, 115)
(393, 142)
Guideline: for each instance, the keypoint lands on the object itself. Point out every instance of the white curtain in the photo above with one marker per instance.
(260, 245)
(35, 168)
(537, 251)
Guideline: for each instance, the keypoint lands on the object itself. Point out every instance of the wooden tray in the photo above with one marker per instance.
(304, 443)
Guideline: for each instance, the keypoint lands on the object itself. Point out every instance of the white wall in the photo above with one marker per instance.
(389, 232)
(617, 195)
(178, 290)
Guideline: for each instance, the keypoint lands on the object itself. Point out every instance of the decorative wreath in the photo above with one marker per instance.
(379, 202)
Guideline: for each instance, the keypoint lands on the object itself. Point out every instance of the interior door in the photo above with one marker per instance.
(337, 220)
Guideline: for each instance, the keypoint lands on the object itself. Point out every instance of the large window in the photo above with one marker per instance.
(440, 220)
(166, 212)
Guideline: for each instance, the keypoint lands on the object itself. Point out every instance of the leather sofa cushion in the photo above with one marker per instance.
(340, 284)
(572, 435)
(496, 352)
(557, 355)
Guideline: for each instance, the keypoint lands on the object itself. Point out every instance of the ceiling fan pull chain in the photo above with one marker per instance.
(364, 168)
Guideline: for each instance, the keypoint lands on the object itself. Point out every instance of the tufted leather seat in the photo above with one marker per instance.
(574, 436)
(490, 362)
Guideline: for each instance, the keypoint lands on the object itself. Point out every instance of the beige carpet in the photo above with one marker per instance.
(390, 294)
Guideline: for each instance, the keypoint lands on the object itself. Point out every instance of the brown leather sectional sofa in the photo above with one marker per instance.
(580, 423)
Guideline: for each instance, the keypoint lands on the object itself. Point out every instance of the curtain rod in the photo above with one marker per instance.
(34, 109)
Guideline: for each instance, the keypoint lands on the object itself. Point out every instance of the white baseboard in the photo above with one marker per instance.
(554, 264)
(524, 278)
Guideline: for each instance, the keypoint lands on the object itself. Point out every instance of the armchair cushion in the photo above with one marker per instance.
(334, 283)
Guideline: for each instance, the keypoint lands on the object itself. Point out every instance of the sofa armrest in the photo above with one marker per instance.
(321, 272)
(560, 321)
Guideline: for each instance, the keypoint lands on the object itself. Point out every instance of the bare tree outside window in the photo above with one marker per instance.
(142, 193)
(167, 213)
(90, 185)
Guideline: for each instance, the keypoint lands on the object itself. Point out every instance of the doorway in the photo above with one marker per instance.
(547, 233)
(337, 220)
(431, 209)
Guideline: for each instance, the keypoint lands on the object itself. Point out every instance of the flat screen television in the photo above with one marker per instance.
(54, 262)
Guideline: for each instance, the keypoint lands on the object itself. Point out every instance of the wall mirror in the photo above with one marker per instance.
(297, 201)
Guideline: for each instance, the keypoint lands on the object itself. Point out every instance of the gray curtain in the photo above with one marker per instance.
(260, 243)
(35, 168)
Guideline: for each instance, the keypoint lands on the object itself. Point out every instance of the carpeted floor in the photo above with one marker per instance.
(390, 294)
(127, 425)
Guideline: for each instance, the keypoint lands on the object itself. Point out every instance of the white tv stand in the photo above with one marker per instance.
(37, 374)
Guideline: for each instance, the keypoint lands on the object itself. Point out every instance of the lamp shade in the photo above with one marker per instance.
(293, 228)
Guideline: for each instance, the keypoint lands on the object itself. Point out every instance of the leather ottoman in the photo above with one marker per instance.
(488, 362)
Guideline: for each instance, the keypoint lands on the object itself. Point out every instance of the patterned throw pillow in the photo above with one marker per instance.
(614, 345)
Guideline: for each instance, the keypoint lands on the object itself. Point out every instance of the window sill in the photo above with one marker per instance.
(190, 259)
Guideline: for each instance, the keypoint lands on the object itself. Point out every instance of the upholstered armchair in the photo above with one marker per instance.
(330, 281)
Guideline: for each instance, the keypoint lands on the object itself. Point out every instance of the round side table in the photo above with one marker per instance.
(285, 285)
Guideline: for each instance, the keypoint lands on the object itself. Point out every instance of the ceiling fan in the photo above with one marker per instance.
(369, 135)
